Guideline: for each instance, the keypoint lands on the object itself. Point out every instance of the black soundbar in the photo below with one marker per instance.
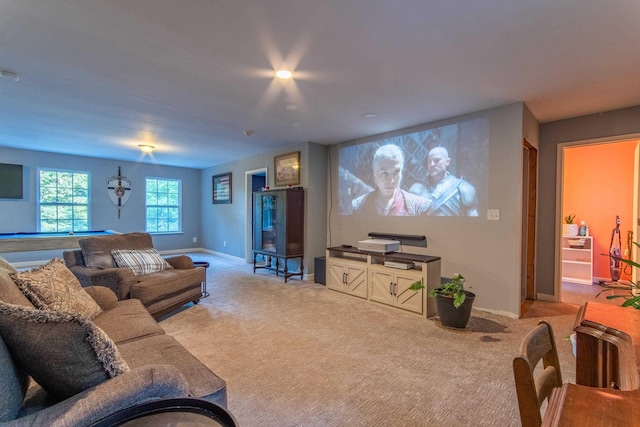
(405, 239)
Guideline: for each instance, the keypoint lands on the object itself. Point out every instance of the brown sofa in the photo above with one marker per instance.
(160, 367)
(160, 292)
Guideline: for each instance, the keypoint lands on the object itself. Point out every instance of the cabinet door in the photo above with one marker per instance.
(381, 283)
(336, 276)
(356, 281)
(405, 297)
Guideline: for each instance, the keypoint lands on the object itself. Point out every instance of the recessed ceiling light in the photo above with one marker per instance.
(248, 132)
(283, 74)
(369, 115)
(146, 148)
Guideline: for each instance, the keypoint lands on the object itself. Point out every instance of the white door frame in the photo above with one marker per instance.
(559, 197)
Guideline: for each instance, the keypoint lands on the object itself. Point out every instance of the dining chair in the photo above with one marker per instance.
(533, 385)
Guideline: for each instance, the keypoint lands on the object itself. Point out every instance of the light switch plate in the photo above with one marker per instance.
(493, 214)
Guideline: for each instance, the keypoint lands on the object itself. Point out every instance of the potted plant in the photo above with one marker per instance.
(632, 295)
(453, 301)
(569, 228)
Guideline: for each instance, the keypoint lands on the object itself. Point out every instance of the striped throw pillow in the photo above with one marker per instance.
(140, 261)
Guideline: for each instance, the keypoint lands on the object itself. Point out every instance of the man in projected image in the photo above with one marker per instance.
(388, 198)
(447, 194)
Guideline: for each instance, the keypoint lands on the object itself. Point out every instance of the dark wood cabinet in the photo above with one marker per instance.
(278, 229)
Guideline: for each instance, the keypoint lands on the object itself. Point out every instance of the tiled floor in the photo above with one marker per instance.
(574, 293)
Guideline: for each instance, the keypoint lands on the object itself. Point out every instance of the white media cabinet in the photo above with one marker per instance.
(363, 274)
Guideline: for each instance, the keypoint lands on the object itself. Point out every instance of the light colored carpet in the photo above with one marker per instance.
(297, 354)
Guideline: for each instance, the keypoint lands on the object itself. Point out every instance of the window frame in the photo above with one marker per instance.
(40, 204)
(147, 206)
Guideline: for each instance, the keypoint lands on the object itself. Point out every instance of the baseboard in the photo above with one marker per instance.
(498, 312)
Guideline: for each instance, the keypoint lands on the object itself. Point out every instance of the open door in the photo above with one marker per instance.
(529, 204)
(254, 181)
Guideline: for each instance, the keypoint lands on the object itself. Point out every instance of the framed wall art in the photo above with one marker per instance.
(222, 188)
(287, 169)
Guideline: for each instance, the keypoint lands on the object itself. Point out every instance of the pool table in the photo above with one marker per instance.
(24, 242)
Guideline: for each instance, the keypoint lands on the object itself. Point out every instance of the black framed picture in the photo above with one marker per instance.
(287, 167)
(222, 188)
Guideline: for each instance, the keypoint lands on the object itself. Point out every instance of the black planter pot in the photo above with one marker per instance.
(454, 317)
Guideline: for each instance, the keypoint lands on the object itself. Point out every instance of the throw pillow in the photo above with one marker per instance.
(53, 286)
(141, 261)
(65, 354)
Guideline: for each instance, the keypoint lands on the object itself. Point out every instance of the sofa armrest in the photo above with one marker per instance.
(137, 386)
(180, 262)
(119, 280)
(104, 296)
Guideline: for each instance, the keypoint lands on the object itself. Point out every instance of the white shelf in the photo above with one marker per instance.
(577, 264)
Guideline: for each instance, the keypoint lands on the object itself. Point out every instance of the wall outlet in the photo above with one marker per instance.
(195, 240)
(493, 214)
(224, 243)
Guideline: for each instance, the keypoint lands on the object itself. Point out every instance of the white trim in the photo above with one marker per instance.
(557, 282)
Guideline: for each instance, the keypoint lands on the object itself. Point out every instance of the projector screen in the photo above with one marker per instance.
(434, 172)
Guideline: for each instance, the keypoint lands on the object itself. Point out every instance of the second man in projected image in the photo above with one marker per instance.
(443, 194)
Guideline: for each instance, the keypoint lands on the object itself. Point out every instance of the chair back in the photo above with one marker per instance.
(532, 390)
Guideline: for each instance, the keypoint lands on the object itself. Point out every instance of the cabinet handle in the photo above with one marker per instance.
(395, 289)
(390, 288)
(345, 278)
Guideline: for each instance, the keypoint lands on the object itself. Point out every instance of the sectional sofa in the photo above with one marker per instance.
(83, 358)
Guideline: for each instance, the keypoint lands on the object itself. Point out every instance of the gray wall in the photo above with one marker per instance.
(228, 222)
(486, 252)
(607, 125)
(21, 215)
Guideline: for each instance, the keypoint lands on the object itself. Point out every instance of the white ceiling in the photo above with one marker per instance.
(100, 77)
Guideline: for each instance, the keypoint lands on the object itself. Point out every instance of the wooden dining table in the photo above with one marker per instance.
(575, 405)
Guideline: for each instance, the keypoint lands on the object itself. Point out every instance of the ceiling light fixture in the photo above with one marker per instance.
(283, 74)
(369, 115)
(146, 148)
(248, 132)
(9, 75)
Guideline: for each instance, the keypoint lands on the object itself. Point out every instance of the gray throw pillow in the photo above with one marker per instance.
(63, 353)
(53, 286)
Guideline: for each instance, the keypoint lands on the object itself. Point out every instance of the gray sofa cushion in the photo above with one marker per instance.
(13, 386)
(164, 284)
(97, 250)
(164, 349)
(65, 354)
(53, 287)
(130, 320)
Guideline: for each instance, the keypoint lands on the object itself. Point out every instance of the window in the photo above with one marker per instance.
(163, 201)
(63, 200)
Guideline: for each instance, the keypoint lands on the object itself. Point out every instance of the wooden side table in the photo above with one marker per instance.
(204, 284)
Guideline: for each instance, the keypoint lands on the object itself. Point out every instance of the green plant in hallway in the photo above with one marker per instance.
(631, 295)
(569, 218)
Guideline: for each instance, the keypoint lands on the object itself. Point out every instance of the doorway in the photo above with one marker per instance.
(599, 181)
(529, 198)
(254, 181)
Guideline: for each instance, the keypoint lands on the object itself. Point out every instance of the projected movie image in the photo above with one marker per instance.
(435, 172)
